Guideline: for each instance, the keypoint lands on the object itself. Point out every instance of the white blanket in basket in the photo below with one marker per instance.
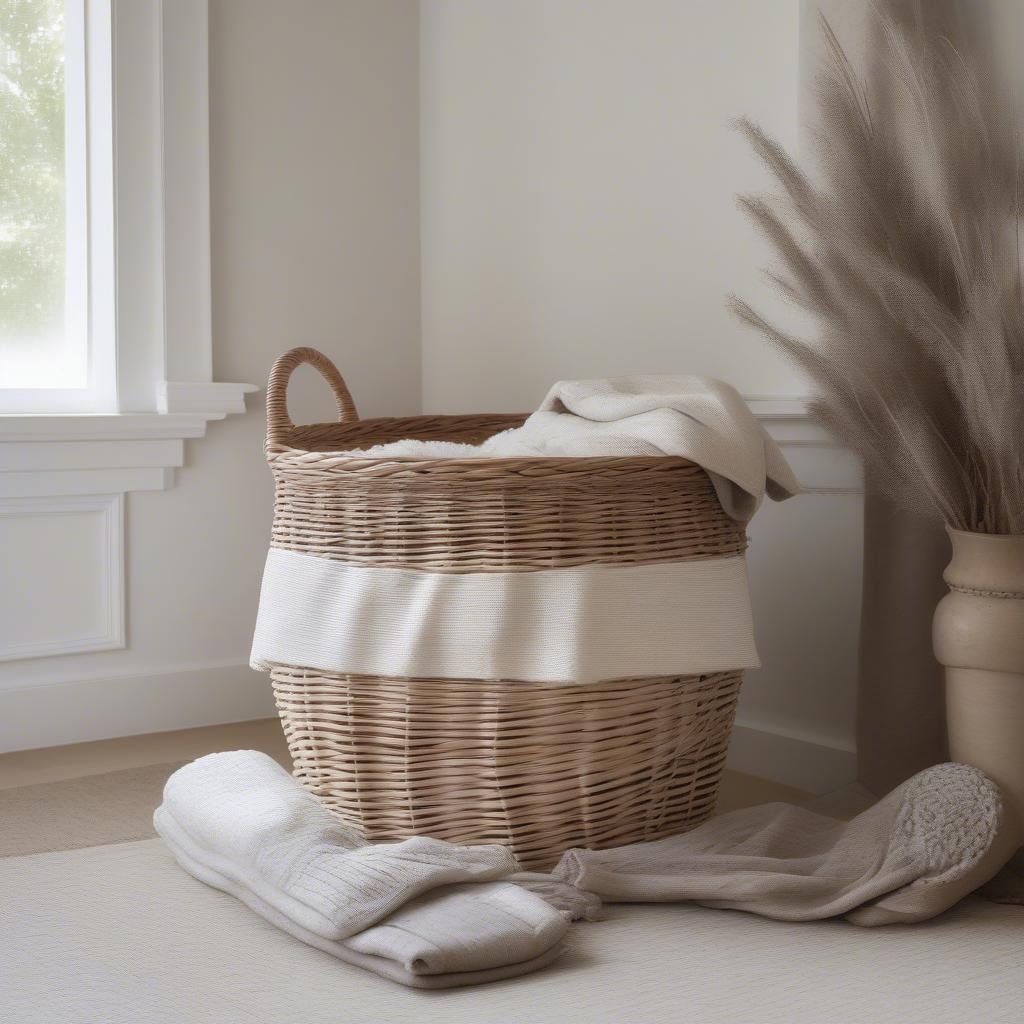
(696, 418)
(577, 624)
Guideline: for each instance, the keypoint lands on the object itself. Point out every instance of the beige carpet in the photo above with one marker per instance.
(116, 933)
(115, 807)
(120, 935)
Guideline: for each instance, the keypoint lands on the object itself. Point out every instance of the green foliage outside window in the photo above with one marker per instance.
(32, 204)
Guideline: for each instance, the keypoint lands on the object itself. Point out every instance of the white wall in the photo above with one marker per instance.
(314, 206)
(578, 181)
(579, 172)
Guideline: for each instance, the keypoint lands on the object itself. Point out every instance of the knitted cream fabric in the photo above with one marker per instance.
(791, 864)
(580, 624)
(574, 904)
(256, 825)
(452, 936)
(697, 418)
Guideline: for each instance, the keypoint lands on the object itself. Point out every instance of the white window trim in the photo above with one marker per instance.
(156, 334)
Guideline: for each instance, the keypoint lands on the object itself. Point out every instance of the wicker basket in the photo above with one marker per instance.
(540, 767)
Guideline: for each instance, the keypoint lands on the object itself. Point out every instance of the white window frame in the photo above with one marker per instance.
(148, 276)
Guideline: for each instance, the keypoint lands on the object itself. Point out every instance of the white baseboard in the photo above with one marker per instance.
(814, 765)
(132, 705)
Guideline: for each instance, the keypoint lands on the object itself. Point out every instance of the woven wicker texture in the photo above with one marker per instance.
(540, 767)
(536, 766)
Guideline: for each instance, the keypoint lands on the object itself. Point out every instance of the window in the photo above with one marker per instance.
(105, 326)
(44, 310)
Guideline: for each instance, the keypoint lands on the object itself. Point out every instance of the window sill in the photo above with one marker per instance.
(45, 454)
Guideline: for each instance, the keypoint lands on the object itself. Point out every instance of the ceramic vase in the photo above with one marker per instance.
(978, 635)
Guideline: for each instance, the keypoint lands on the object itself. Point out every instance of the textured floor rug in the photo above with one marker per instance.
(120, 934)
(115, 807)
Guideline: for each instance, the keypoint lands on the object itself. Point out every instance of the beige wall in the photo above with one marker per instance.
(314, 125)
(578, 218)
(578, 180)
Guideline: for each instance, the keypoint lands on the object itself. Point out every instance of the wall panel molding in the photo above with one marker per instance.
(101, 614)
(822, 464)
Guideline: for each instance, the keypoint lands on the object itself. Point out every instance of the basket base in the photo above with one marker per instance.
(534, 766)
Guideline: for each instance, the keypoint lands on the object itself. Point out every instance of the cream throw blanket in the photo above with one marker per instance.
(580, 624)
(697, 418)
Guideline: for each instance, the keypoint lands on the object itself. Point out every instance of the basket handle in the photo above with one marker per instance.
(278, 420)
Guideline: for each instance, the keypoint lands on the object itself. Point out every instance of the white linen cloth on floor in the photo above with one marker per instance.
(902, 860)
(259, 826)
(579, 624)
(410, 947)
(241, 823)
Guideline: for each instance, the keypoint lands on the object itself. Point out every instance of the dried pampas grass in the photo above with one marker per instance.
(907, 253)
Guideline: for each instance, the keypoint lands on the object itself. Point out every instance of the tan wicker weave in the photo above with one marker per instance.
(537, 766)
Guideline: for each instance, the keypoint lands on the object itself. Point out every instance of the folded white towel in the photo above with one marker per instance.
(456, 935)
(696, 418)
(257, 826)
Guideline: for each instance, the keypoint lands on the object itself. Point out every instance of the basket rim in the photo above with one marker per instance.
(283, 454)
(485, 471)
(280, 451)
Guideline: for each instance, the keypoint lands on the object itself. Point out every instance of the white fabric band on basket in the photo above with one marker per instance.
(580, 625)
